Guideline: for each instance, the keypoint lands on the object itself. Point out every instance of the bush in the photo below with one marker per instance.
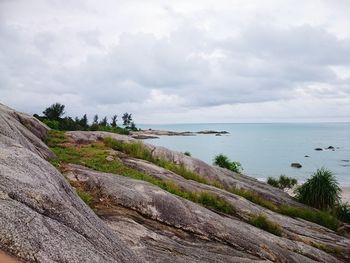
(320, 191)
(342, 211)
(283, 182)
(187, 153)
(319, 217)
(262, 222)
(224, 162)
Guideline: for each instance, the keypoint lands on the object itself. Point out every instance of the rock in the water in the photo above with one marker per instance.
(306, 156)
(331, 148)
(318, 149)
(218, 134)
(296, 165)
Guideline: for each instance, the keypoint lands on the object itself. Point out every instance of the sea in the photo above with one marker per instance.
(267, 149)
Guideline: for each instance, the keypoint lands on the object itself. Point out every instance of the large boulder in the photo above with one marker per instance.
(42, 219)
(25, 130)
(172, 212)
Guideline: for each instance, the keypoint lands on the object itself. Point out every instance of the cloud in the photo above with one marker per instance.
(177, 60)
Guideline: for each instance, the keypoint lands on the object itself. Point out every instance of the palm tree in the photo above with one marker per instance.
(320, 191)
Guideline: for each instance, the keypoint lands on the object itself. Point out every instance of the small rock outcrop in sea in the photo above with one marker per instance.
(306, 156)
(212, 132)
(331, 148)
(296, 165)
(318, 149)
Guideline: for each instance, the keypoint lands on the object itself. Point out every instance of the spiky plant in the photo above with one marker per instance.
(224, 162)
(320, 191)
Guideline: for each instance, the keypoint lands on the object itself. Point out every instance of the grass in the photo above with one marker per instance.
(85, 196)
(316, 216)
(328, 249)
(255, 198)
(139, 151)
(319, 217)
(260, 221)
(94, 156)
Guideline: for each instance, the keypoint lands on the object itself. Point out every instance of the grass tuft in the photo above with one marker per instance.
(261, 221)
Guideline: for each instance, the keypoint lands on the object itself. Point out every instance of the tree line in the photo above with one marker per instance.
(54, 118)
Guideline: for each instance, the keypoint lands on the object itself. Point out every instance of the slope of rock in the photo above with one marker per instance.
(158, 205)
(41, 218)
(25, 130)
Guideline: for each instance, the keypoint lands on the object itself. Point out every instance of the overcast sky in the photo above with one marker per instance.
(178, 61)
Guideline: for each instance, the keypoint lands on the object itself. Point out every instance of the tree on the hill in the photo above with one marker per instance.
(114, 121)
(127, 119)
(54, 112)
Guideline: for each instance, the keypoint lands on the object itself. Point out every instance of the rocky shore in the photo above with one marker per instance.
(96, 202)
(153, 134)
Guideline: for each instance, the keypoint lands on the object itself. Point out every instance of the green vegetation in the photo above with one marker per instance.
(322, 218)
(342, 211)
(255, 198)
(262, 222)
(139, 151)
(319, 217)
(187, 153)
(282, 182)
(224, 162)
(320, 191)
(94, 156)
(85, 196)
(328, 249)
(53, 117)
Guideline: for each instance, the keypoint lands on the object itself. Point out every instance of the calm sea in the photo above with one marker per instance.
(268, 149)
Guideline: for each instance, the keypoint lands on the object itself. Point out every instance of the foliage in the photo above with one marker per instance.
(54, 112)
(187, 153)
(224, 162)
(322, 218)
(342, 212)
(282, 182)
(127, 119)
(54, 120)
(114, 121)
(255, 198)
(320, 191)
(262, 222)
(104, 121)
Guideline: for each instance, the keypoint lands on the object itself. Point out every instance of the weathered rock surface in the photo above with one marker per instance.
(41, 218)
(25, 130)
(295, 229)
(152, 202)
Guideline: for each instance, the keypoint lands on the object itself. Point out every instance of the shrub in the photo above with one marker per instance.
(262, 222)
(187, 153)
(224, 162)
(322, 218)
(342, 211)
(216, 202)
(283, 182)
(320, 191)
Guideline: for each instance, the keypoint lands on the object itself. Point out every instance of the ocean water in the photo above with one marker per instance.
(268, 149)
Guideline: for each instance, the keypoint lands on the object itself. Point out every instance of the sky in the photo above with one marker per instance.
(191, 61)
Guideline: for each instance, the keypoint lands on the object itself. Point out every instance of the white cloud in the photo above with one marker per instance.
(178, 61)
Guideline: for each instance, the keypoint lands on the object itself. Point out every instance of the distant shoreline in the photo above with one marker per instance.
(154, 134)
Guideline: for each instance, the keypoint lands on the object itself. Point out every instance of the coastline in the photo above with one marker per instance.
(346, 194)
